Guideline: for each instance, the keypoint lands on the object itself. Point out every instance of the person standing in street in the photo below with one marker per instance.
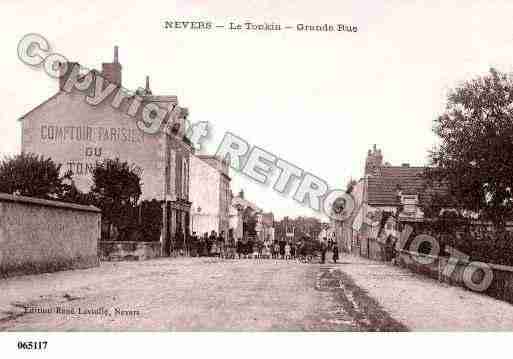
(194, 245)
(208, 244)
(335, 253)
(212, 241)
(240, 248)
(282, 249)
(221, 245)
(201, 245)
(276, 250)
(287, 251)
(323, 252)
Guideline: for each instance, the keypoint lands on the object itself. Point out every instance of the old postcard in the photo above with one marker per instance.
(243, 166)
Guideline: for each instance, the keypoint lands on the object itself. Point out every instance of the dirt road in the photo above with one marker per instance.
(191, 294)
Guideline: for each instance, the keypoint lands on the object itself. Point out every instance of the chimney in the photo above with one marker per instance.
(148, 84)
(65, 69)
(379, 158)
(111, 71)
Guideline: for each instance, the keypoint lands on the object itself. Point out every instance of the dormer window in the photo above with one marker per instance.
(410, 203)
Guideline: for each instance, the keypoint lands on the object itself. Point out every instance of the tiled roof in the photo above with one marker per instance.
(382, 188)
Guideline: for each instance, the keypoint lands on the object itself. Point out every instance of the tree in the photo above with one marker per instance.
(474, 157)
(116, 191)
(350, 186)
(29, 174)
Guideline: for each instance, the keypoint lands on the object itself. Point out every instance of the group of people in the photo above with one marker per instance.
(302, 251)
(217, 245)
(210, 245)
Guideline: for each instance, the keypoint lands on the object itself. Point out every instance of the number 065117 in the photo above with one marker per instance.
(32, 345)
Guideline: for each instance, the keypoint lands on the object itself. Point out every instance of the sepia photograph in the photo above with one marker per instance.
(308, 172)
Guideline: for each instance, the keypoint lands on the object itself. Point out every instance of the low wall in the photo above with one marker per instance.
(501, 286)
(124, 251)
(39, 236)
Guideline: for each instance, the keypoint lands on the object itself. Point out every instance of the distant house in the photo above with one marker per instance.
(243, 215)
(265, 226)
(384, 196)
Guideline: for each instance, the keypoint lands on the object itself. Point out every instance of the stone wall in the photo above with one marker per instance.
(122, 251)
(39, 236)
(501, 286)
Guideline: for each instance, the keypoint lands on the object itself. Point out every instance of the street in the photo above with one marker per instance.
(206, 294)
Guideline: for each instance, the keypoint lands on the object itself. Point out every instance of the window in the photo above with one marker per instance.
(185, 179)
(409, 203)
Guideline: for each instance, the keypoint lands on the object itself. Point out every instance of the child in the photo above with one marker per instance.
(287, 251)
(240, 248)
(213, 249)
(255, 251)
(276, 251)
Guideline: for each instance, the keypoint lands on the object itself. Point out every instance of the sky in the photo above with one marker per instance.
(318, 100)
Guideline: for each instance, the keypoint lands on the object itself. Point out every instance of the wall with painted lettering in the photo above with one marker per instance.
(44, 236)
(78, 135)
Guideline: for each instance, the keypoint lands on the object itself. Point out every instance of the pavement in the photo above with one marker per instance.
(207, 294)
(424, 304)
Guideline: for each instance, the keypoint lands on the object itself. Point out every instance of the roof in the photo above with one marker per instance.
(166, 99)
(383, 188)
(216, 163)
(38, 106)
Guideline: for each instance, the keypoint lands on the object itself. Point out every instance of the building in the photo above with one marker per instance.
(236, 230)
(265, 227)
(210, 195)
(296, 229)
(78, 134)
(384, 196)
(243, 217)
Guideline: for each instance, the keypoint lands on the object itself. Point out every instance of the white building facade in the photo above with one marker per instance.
(210, 195)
